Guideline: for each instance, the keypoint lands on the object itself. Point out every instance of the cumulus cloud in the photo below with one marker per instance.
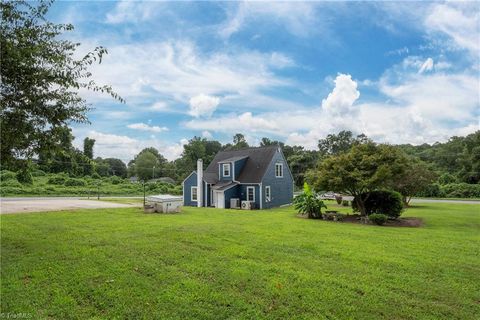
(174, 70)
(123, 147)
(206, 134)
(341, 99)
(145, 127)
(203, 105)
(245, 122)
(426, 66)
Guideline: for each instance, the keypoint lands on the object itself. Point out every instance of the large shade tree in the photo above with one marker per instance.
(41, 77)
(366, 167)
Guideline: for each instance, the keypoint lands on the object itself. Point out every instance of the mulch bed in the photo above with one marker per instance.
(411, 222)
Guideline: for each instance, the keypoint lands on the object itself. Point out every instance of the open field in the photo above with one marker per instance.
(217, 264)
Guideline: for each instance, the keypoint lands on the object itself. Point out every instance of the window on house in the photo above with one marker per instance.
(226, 169)
(194, 194)
(267, 194)
(279, 170)
(251, 194)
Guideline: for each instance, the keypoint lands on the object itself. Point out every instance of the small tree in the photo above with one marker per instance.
(144, 165)
(366, 167)
(309, 203)
(415, 179)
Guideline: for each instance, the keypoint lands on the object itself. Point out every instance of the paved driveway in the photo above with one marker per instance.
(25, 205)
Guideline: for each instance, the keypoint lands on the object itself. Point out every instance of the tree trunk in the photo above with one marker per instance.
(361, 205)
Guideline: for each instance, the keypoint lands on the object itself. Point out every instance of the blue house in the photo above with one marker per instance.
(251, 178)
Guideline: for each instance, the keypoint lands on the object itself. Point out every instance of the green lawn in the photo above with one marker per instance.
(218, 264)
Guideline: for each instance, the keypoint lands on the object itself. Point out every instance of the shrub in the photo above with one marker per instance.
(432, 191)
(11, 183)
(309, 203)
(338, 199)
(115, 180)
(378, 218)
(38, 173)
(8, 175)
(382, 202)
(345, 203)
(96, 175)
(58, 179)
(73, 182)
(335, 216)
(24, 176)
(461, 190)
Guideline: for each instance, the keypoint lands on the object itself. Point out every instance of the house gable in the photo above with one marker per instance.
(281, 188)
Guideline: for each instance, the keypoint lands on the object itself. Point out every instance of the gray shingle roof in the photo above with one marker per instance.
(254, 168)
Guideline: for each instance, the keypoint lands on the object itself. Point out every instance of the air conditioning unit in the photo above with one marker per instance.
(247, 205)
(235, 203)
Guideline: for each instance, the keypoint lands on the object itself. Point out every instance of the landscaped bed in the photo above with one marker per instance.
(215, 264)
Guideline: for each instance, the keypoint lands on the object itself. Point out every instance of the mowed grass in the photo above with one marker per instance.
(219, 264)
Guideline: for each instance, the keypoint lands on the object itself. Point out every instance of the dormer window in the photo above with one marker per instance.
(279, 170)
(226, 169)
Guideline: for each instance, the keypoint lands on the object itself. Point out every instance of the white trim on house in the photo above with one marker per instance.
(250, 188)
(183, 182)
(269, 197)
(260, 187)
(191, 193)
(227, 166)
(279, 173)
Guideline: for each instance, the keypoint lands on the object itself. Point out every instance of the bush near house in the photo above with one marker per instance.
(309, 203)
(381, 202)
(378, 218)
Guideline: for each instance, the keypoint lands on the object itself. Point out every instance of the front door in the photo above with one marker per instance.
(219, 198)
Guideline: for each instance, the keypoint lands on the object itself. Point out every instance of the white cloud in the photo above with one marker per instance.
(125, 148)
(206, 134)
(176, 70)
(460, 21)
(341, 99)
(297, 18)
(145, 127)
(131, 11)
(426, 66)
(203, 105)
(245, 122)
(159, 106)
(418, 109)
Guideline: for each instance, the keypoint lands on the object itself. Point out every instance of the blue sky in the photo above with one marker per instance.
(400, 72)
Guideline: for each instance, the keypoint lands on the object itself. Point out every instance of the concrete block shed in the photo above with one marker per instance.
(166, 203)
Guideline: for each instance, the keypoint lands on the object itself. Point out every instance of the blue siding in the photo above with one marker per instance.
(229, 194)
(191, 181)
(243, 193)
(220, 169)
(281, 188)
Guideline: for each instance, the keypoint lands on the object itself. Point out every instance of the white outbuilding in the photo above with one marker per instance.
(165, 203)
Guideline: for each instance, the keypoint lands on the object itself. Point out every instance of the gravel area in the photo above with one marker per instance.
(26, 205)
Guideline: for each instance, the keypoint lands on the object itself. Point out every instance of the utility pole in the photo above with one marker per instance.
(153, 172)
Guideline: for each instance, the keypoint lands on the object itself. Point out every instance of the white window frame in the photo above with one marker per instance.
(226, 166)
(279, 165)
(251, 188)
(268, 194)
(191, 193)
